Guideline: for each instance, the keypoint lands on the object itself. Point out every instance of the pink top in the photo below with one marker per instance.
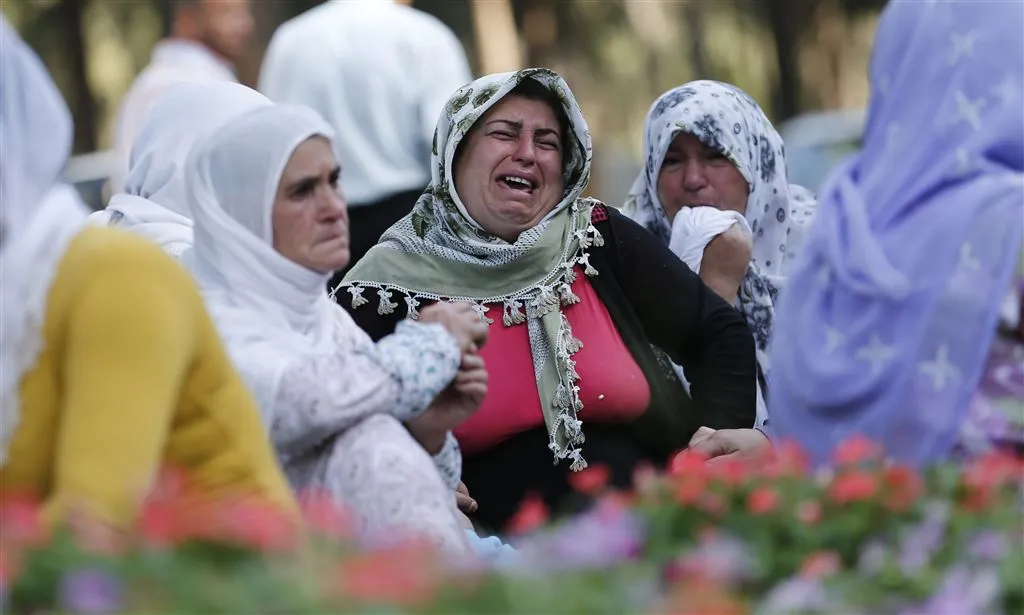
(612, 387)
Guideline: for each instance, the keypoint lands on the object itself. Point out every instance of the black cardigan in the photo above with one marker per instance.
(662, 310)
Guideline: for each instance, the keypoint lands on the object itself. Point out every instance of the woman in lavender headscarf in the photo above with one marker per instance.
(891, 312)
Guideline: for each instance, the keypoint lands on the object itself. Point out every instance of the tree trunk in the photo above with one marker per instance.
(693, 15)
(497, 40)
(83, 103)
(785, 26)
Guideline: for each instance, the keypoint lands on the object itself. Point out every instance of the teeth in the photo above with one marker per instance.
(518, 180)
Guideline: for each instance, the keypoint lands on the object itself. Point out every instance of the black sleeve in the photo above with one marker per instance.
(688, 321)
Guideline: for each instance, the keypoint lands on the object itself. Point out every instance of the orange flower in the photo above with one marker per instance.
(532, 514)
(688, 488)
(808, 512)
(590, 480)
(853, 486)
(700, 597)
(404, 575)
(762, 501)
(903, 487)
(820, 564)
(855, 450)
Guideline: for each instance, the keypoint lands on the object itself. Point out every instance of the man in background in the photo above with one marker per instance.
(206, 38)
(380, 72)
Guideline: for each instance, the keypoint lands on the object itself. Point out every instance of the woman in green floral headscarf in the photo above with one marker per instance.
(585, 307)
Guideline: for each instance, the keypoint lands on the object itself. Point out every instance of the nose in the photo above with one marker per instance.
(335, 205)
(694, 175)
(526, 150)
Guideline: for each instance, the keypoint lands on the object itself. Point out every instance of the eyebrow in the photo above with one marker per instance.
(306, 183)
(519, 126)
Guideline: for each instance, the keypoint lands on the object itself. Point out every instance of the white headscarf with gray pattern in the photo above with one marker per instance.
(727, 119)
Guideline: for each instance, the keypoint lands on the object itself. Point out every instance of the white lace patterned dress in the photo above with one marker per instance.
(337, 424)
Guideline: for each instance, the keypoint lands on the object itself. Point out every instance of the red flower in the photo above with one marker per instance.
(326, 517)
(853, 486)
(249, 522)
(855, 450)
(820, 564)
(688, 462)
(712, 503)
(762, 501)
(590, 480)
(808, 512)
(404, 575)
(532, 514)
(689, 472)
(21, 522)
(902, 486)
(790, 461)
(732, 472)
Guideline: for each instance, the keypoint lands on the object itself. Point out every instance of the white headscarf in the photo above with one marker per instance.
(727, 119)
(154, 203)
(38, 216)
(267, 308)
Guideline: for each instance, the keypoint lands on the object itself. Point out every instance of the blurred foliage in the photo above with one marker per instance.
(792, 55)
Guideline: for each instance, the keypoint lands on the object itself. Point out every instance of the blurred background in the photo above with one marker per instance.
(805, 61)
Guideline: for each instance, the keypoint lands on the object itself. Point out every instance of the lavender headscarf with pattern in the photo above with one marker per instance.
(892, 307)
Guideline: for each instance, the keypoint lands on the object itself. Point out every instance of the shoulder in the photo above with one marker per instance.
(114, 255)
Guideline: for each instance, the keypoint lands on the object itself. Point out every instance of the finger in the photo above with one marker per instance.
(471, 362)
(712, 446)
(471, 375)
(472, 389)
(702, 434)
(462, 488)
(465, 503)
(724, 459)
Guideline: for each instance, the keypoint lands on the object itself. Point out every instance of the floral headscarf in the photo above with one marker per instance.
(439, 252)
(727, 119)
(890, 314)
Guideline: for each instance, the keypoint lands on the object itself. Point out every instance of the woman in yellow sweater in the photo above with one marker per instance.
(110, 368)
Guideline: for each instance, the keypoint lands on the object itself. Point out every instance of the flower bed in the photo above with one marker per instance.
(702, 538)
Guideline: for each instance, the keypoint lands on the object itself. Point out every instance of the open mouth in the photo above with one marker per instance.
(515, 182)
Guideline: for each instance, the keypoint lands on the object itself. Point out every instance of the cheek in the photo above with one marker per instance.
(670, 189)
(731, 188)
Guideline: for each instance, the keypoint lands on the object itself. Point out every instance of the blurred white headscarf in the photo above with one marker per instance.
(267, 308)
(38, 216)
(154, 203)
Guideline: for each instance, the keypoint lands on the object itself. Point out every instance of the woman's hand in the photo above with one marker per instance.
(748, 445)
(453, 406)
(462, 498)
(725, 262)
(461, 321)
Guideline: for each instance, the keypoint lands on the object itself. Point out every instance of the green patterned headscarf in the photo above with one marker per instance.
(439, 252)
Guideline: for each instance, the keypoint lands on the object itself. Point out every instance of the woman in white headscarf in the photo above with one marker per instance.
(111, 365)
(270, 228)
(708, 146)
(153, 203)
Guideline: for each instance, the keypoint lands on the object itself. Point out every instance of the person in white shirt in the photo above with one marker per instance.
(206, 38)
(380, 72)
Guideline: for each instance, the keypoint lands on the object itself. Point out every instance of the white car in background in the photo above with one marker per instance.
(817, 142)
(90, 175)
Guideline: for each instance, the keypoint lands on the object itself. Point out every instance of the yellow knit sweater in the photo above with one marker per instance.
(132, 378)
